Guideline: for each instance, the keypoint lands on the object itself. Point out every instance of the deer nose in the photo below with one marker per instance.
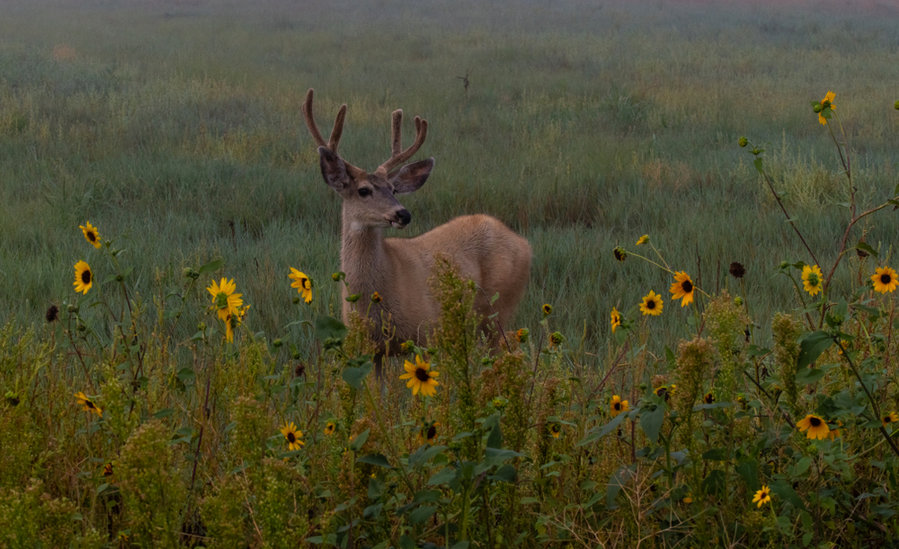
(404, 216)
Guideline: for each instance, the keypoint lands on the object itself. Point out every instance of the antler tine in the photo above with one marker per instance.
(336, 132)
(397, 158)
(397, 132)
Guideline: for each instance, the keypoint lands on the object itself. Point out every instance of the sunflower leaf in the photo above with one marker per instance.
(811, 347)
(212, 266)
(355, 375)
(596, 434)
(375, 459)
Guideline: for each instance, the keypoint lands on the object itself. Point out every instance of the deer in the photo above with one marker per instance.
(397, 271)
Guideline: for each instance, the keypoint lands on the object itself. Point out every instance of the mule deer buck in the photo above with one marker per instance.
(479, 247)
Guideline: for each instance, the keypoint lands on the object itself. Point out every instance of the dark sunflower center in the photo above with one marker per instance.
(687, 286)
(814, 422)
(86, 276)
(616, 406)
(651, 304)
(291, 438)
(432, 432)
(422, 375)
(89, 404)
(885, 279)
(91, 236)
(887, 419)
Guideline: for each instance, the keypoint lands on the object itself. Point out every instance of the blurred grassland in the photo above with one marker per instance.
(175, 128)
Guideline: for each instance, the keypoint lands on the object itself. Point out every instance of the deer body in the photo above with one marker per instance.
(480, 247)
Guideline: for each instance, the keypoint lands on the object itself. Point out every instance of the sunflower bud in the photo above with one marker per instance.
(896, 105)
(277, 343)
(743, 142)
(189, 272)
(817, 107)
(353, 298)
(620, 254)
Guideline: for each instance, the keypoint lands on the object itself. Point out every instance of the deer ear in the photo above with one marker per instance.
(333, 169)
(412, 176)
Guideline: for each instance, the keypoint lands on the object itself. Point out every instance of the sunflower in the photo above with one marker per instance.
(616, 406)
(329, 429)
(428, 432)
(421, 377)
(709, 398)
(233, 321)
(615, 319)
(376, 297)
(643, 240)
(89, 405)
(302, 283)
(889, 419)
(682, 288)
(814, 427)
(762, 496)
(91, 234)
(826, 106)
(293, 436)
(555, 430)
(652, 304)
(225, 302)
(884, 279)
(84, 278)
(522, 335)
(547, 309)
(812, 278)
(664, 391)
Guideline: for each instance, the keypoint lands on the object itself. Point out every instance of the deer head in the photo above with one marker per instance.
(369, 198)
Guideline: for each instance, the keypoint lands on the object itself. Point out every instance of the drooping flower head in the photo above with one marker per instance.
(615, 319)
(293, 436)
(84, 277)
(825, 107)
(555, 429)
(616, 406)
(91, 234)
(652, 304)
(682, 288)
(302, 283)
(884, 279)
(813, 426)
(889, 419)
(225, 302)
(88, 404)
(427, 434)
(420, 377)
(812, 279)
(762, 496)
(643, 240)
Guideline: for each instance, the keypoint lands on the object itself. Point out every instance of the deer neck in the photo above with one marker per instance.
(362, 258)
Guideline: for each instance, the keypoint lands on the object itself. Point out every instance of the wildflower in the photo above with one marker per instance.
(664, 391)
(91, 234)
(522, 335)
(620, 254)
(233, 321)
(884, 279)
(302, 283)
(107, 469)
(743, 142)
(375, 297)
(643, 240)
(224, 300)
(812, 279)
(89, 405)
(616, 406)
(762, 496)
(652, 304)
(421, 377)
(293, 436)
(329, 429)
(615, 319)
(84, 278)
(682, 288)
(709, 398)
(547, 309)
(556, 339)
(428, 432)
(555, 430)
(826, 106)
(688, 499)
(737, 270)
(814, 427)
(889, 419)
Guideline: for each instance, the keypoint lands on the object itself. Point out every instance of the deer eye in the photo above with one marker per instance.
(364, 191)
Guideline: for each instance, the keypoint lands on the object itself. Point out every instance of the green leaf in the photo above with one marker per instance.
(595, 434)
(212, 266)
(807, 376)
(375, 459)
(355, 376)
(506, 473)
(327, 327)
(758, 165)
(423, 454)
(616, 483)
(444, 476)
(360, 439)
(782, 489)
(863, 246)
(812, 345)
(422, 514)
(651, 421)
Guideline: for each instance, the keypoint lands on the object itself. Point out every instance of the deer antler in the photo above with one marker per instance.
(336, 132)
(397, 156)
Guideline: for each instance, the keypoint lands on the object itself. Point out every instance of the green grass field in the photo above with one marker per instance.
(175, 128)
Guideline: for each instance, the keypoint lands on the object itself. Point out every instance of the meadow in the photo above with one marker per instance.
(174, 128)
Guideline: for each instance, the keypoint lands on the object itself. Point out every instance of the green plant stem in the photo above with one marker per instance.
(874, 407)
